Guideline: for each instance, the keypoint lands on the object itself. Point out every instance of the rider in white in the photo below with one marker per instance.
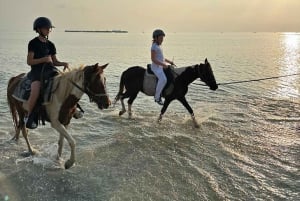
(159, 63)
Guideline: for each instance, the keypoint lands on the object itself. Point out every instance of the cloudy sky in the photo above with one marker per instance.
(145, 15)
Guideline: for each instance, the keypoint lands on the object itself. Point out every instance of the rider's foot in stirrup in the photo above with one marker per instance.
(30, 122)
(159, 101)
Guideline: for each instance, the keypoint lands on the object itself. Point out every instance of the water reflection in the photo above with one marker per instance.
(289, 64)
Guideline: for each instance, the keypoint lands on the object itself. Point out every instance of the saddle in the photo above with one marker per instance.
(150, 81)
(23, 89)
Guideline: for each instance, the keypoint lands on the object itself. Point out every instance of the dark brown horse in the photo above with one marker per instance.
(132, 81)
(68, 89)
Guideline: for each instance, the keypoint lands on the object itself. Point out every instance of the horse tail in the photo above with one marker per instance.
(121, 88)
(12, 83)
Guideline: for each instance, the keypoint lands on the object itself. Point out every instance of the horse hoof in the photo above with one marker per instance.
(68, 164)
(15, 139)
(29, 153)
(159, 119)
(121, 112)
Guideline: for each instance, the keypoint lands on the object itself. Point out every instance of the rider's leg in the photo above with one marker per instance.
(34, 95)
(162, 80)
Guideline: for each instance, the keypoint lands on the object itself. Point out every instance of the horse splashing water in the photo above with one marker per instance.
(68, 88)
(132, 82)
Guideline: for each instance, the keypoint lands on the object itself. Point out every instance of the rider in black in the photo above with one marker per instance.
(42, 59)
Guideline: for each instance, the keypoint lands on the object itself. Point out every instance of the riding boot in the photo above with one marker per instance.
(159, 101)
(31, 121)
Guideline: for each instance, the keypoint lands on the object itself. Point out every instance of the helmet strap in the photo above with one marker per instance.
(41, 34)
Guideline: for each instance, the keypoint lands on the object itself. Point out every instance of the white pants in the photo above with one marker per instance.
(162, 80)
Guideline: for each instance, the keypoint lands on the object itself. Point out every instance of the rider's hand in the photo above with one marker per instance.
(172, 63)
(66, 66)
(48, 59)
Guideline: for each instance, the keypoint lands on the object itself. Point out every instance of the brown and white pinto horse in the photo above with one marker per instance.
(69, 88)
(132, 80)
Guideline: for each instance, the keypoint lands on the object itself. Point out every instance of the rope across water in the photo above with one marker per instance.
(252, 80)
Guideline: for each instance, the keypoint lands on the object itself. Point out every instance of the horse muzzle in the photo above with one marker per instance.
(213, 87)
(104, 103)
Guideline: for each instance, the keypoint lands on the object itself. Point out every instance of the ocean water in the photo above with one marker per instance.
(247, 146)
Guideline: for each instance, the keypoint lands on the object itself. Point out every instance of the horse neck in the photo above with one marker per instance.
(64, 83)
(187, 75)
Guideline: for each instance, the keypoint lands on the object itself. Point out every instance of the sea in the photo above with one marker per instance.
(246, 148)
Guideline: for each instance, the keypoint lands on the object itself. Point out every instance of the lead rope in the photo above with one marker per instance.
(253, 80)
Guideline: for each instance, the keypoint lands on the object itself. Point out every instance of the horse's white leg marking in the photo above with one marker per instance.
(62, 131)
(25, 135)
(195, 121)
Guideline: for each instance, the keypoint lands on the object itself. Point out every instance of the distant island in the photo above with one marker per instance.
(89, 31)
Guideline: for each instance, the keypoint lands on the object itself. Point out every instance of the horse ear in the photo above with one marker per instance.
(104, 66)
(97, 64)
(206, 61)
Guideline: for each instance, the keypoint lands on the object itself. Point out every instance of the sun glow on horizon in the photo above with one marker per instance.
(290, 65)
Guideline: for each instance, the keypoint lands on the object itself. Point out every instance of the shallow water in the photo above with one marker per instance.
(247, 146)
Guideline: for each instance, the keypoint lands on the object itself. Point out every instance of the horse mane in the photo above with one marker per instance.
(64, 78)
(180, 70)
(72, 74)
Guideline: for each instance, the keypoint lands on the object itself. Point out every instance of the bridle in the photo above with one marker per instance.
(200, 75)
(92, 95)
(197, 66)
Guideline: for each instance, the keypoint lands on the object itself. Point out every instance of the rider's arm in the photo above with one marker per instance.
(154, 60)
(56, 62)
(32, 61)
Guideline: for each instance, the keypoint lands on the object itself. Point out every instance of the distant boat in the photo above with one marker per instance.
(105, 31)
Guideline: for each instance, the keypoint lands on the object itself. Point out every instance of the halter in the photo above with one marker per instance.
(197, 66)
(92, 95)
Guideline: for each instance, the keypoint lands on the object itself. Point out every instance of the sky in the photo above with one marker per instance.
(146, 15)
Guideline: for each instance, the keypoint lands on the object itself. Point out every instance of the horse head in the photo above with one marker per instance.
(207, 76)
(95, 86)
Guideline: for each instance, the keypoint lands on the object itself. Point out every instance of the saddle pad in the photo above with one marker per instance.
(149, 84)
(23, 89)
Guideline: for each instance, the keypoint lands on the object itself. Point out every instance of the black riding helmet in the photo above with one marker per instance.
(42, 22)
(157, 33)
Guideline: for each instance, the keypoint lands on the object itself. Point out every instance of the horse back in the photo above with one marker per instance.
(133, 78)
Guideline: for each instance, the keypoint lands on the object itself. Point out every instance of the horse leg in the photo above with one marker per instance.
(63, 132)
(60, 146)
(123, 96)
(17, 135)
(31, 151)
(129, 111)
(164, 108)
(123, 107)
(130, 101)
(188, 107)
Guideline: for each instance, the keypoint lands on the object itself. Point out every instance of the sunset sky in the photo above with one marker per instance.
(144, 16)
